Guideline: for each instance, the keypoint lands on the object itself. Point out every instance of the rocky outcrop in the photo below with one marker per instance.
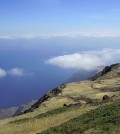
(47, 96)
(72, 105)
(24, 107)
(106, 98)
(103, 72)
(110, 89)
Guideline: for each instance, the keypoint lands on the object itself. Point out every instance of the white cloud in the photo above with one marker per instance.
(63, 34)
(3, 73)
(16, 72)
(7, 37)
(88, 60)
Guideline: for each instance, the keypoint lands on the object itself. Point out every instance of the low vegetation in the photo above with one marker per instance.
(41, 122)
(103, 120)
(43, 115)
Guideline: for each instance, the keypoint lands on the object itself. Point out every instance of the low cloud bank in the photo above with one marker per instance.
(87, 60)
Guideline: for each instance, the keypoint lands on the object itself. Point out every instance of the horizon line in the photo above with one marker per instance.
(67, 35)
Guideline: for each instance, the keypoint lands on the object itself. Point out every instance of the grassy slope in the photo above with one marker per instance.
(78, 92)
(41, 122)
(103, 120)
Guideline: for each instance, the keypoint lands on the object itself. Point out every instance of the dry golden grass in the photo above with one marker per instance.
(91, 89)
(39, 125)
(77, 89)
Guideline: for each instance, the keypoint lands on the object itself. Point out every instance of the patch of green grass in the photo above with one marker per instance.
(53, 112)
(20, 121)
(47, 114)
(104, 118)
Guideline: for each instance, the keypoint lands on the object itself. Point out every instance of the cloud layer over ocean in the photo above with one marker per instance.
(88, 60)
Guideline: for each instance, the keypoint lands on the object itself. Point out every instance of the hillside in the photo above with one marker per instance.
(13, 111)
(84, 75)
(89, 91)
(6, 113)
(80, 76)
(72, 101)
(105, 119)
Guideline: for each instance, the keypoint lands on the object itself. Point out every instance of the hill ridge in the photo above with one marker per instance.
(103, 72)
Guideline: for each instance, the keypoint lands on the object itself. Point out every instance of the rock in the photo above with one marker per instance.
(75, 105)
(47, 96)
(106, 98)
(65, 105)
(110, 89)
(72, 105)
(103, 72)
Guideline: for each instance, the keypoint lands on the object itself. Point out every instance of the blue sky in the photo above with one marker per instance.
(29, 17)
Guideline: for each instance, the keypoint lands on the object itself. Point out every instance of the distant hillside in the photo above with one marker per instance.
(83, 75)
(24, 107)
(6, 113)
